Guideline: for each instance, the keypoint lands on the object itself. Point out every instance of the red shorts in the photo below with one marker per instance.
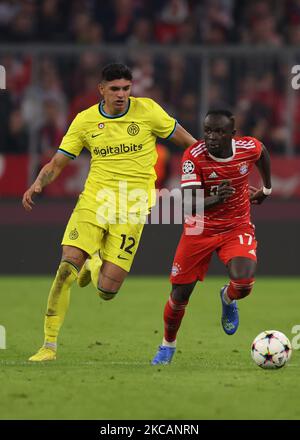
(194, 252)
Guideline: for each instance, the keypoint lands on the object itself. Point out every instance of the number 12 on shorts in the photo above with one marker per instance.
(129, 240)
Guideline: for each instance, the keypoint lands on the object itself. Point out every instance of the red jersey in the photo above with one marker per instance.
(202, 169)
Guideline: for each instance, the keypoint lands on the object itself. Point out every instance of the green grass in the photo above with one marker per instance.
(103, 370)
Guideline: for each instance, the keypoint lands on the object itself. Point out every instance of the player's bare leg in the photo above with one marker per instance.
(58, 300)
(241, 271)
(110, 280)
(173, 313)
(107, 277)
(241, 268)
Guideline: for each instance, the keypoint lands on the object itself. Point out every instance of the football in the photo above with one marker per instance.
(271, 349)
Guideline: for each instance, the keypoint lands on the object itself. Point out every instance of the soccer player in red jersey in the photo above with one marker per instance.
(219, 165)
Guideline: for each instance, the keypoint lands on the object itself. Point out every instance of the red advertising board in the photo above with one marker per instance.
(285, 177)
(13, 174)
(14, 171)
(71, 181)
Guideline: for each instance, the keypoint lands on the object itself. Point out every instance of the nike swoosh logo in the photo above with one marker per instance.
(122, 258)
(95, 135)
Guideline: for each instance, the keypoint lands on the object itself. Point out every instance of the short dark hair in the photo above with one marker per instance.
(116, 71)
(221, 112)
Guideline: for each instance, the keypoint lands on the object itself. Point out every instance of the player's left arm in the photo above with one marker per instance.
(166, 127)
(263, 164)
(182, 138)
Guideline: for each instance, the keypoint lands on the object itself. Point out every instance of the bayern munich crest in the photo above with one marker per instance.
(175, 269)
(243, 168)
(188, 167)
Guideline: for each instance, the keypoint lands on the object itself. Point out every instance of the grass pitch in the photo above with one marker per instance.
(103, 368)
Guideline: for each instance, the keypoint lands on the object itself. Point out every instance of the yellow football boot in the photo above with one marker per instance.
(44, 354)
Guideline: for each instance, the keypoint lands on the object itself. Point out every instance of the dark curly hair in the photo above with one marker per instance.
(116, 71)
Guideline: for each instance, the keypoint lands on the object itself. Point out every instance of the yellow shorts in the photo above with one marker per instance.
(118, 243)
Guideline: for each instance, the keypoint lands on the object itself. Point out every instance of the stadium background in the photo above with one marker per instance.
(189, 56)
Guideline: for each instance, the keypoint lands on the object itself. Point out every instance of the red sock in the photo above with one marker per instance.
(173, 315)
(238, 289)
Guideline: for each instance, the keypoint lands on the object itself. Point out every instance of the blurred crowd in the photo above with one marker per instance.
(273, 22)
(44, 94)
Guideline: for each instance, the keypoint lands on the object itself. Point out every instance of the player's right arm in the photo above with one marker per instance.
(224, 191)
(191, 180)
(190, 195)
(47, 175)
(70, 147)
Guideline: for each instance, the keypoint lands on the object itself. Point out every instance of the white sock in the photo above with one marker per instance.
(168, 344)
(226, 298)
(51, 345)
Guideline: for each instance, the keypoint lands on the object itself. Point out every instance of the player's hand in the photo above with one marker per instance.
(27, 201)
(256, 195)
(225, 190)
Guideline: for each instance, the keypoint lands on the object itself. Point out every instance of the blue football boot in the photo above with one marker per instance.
(230, 315)
(164, 355)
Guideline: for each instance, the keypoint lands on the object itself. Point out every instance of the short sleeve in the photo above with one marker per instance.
(72, 143)
(190, 175)
(162, 124)
(256, 151)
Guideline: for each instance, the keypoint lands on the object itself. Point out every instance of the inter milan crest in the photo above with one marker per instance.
(188, 167)
(73, 234)
(133, 129)
(101, 125)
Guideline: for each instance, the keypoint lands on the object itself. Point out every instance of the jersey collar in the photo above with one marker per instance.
(106, 115)
(227, 159)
